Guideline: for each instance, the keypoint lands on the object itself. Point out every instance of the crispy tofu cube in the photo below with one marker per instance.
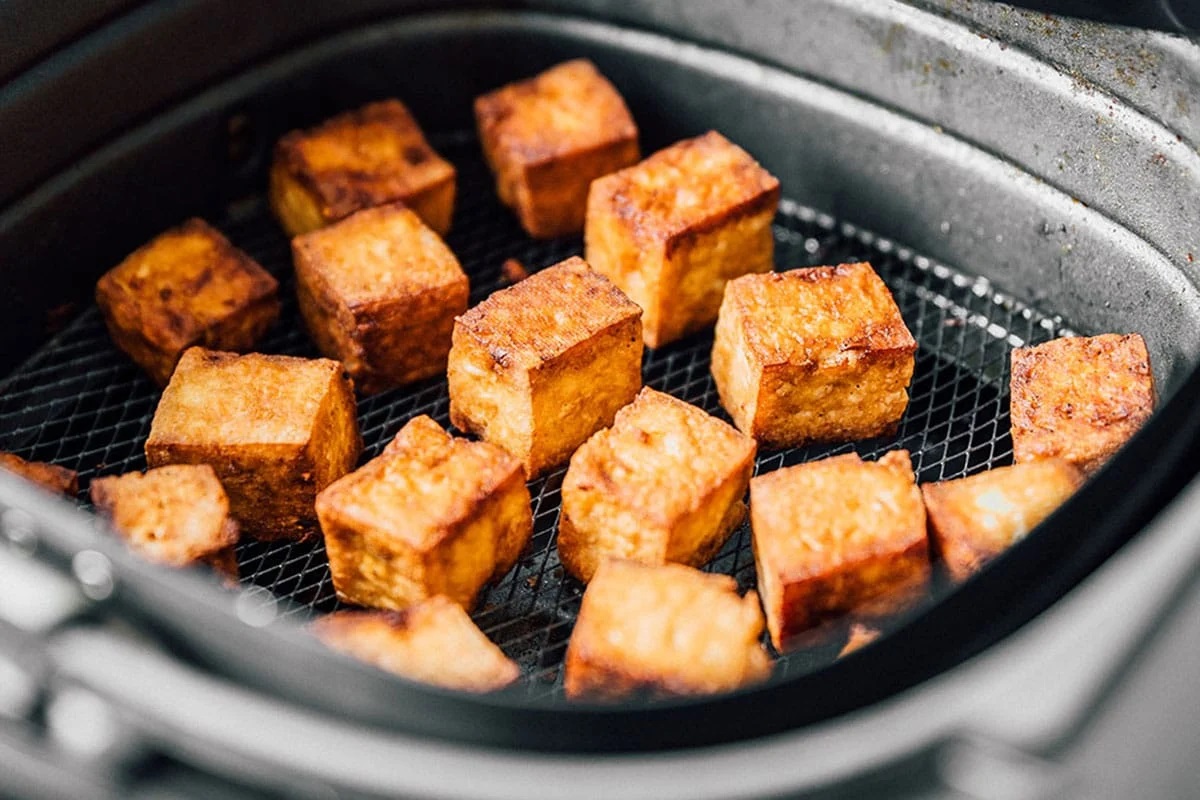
(49, 476)
(432, 642)
(813, 355)
(379, 291)
(175, 515)
(373, 155)
(548, 137)
(539, 367)
(664, 483)
(665, 630)
(673, 229)
(1079, 398)
(835, 537)
(433, 514)
(972, 520)
(189, 286)
(276, 429)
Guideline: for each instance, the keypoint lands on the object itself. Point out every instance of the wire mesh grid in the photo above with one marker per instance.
(80, 403)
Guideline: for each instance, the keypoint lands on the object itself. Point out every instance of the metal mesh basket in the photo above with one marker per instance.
(80, 403)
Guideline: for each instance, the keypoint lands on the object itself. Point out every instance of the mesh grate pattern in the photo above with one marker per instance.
(80, 403)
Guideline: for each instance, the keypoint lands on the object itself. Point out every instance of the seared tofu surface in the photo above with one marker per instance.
(1080, 398)
(539, 367)
(432, 642)
(548, 137)
(367, 157)
(49, 476)
(666, 630)
(188, 286)
(664, 483)
(276, 429)
(432, 515)
(974, 519)
(379, 292)
(813, 355)
(835, 537)
(671, 230)
(174, 515)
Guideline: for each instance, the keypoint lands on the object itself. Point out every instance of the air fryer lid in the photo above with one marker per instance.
(907, 181)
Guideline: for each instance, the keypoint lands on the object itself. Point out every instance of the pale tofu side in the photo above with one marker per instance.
(835, 537)
(974, 519)
(49, 476)
(664, 483)
(433, 514)
(276, 429)
(367, 157)
(547, 137)
(174, 515)
(432, 642)
(379, 291)
(539, 367)
(188, 286)
(813, 355)
(673, 229)
(665, 630)
(1080, 398)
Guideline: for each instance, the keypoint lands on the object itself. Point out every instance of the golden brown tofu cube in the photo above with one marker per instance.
(664, 483)
(432, 515)
(835, 537)
(175, 515)
(379, 291)
(373, 155)
(665, 630)
(972, 520)
(548, 137)
(49, 476)
(673, 229)
(539, 367)
(813, 355)
(189, 286)
(276, 429)
(1079, 398)
(432, 642)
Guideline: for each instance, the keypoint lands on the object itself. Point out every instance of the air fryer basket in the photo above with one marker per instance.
(993, 229)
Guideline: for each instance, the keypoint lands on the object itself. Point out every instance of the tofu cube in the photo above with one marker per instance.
(1079, 398)
(673, 229)
(664, 483)
(189, 286)
(175, 515)
(813, 355)
(432, 642)
(972, 520)
(548, 137)
(835, 537)
(433, 514)
(373, 155)
(275, 429)
(539, 367)
(665, 630)
(379, 291)
(59, 480)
